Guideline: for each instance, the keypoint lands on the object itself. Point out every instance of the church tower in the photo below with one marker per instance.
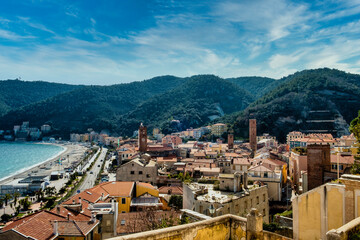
(252, 135)
(230, 140)
(142, 138)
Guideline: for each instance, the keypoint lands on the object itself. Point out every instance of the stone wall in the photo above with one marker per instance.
(225, 227)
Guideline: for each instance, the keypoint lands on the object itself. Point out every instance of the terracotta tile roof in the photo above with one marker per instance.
(38, 225)
(148, 185)
(88, 195)
(116, 189)
(241, 161)
(344, 159)
(232, 155)
(172, 190)
(73, 215)
(75, 228)
(260, 168)
(199, 154)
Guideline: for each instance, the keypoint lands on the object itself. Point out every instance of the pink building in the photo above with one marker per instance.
(170, 140)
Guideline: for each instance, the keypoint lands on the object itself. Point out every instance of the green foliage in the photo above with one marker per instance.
(300, 150)
(5, 217)
(288, 106)
(176, 201)
(256, 86)
(355, 127)
(287, 213)
(25, 203)
(271, 227)
(97, 107)
(16, 93)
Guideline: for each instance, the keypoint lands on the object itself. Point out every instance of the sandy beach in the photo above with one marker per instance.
(72, 154)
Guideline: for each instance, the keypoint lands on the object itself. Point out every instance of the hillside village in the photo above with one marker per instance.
(170, 180)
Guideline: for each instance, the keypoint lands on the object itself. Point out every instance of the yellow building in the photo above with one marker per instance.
(326, 207)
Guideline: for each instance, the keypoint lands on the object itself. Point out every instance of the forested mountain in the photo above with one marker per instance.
(310, 100)
(16, 93)
(256, 86)
(89, 107)
(200, 99)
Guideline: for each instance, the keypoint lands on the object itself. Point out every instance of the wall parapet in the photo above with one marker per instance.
(223, 227)
(347, 231)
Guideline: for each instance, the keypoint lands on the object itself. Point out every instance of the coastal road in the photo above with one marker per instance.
(91, 175)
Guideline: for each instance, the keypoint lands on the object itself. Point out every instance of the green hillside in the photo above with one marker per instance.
(200, 99)
(310, 100)
(16, 93)
(256, 86)
(89, 107)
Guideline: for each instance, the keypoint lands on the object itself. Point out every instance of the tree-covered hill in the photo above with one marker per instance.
(89, 107)
(310, 100)
(16, 93)
(200, 99)
(256, 86)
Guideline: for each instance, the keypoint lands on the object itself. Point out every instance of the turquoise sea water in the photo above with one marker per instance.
(17, 157)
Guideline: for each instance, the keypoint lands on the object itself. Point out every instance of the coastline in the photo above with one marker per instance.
(46, 167)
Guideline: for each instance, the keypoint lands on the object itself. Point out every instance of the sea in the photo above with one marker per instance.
(18, 157)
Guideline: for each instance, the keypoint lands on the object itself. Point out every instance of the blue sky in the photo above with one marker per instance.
(116, 41)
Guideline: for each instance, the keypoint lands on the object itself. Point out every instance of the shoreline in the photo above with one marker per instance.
(46, 167)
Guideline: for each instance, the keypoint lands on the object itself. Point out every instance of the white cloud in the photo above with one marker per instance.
(39, 26)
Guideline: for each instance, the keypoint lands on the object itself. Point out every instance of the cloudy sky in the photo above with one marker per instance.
(116, 41)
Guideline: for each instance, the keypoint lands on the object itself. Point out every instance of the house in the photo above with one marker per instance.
(171, 140)
(46, 225)
(138, 169)
(268, 176)
(218, 129)
(202, 197)
(240, 164)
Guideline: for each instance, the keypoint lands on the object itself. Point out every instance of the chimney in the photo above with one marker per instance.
(73, 201)
(79, 200)
(92, 220)
(55, 228)
(68, 216)
(58, 209)
(102, 196)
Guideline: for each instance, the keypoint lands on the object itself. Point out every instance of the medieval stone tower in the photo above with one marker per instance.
(230, 140)
(142, 138)
(252, 135)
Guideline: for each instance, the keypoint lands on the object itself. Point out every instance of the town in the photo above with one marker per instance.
(293, 190)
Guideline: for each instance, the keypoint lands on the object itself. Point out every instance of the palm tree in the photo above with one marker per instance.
(16, 197)
(50, 191)
(39, 194)
(7, 198)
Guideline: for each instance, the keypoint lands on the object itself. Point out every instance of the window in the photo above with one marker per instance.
(265, 174)
(257, 200)
(123, 200)
(148, 175)
(341, 167)
(264, 197)
(132, 172)
(263, 212)
(122, 222)
(140, 172)
(132, 164)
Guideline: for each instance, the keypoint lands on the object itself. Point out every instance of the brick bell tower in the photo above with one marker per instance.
(142, 138)
(252, 134)
(231, 140)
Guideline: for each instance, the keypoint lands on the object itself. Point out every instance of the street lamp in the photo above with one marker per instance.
(212, 209)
